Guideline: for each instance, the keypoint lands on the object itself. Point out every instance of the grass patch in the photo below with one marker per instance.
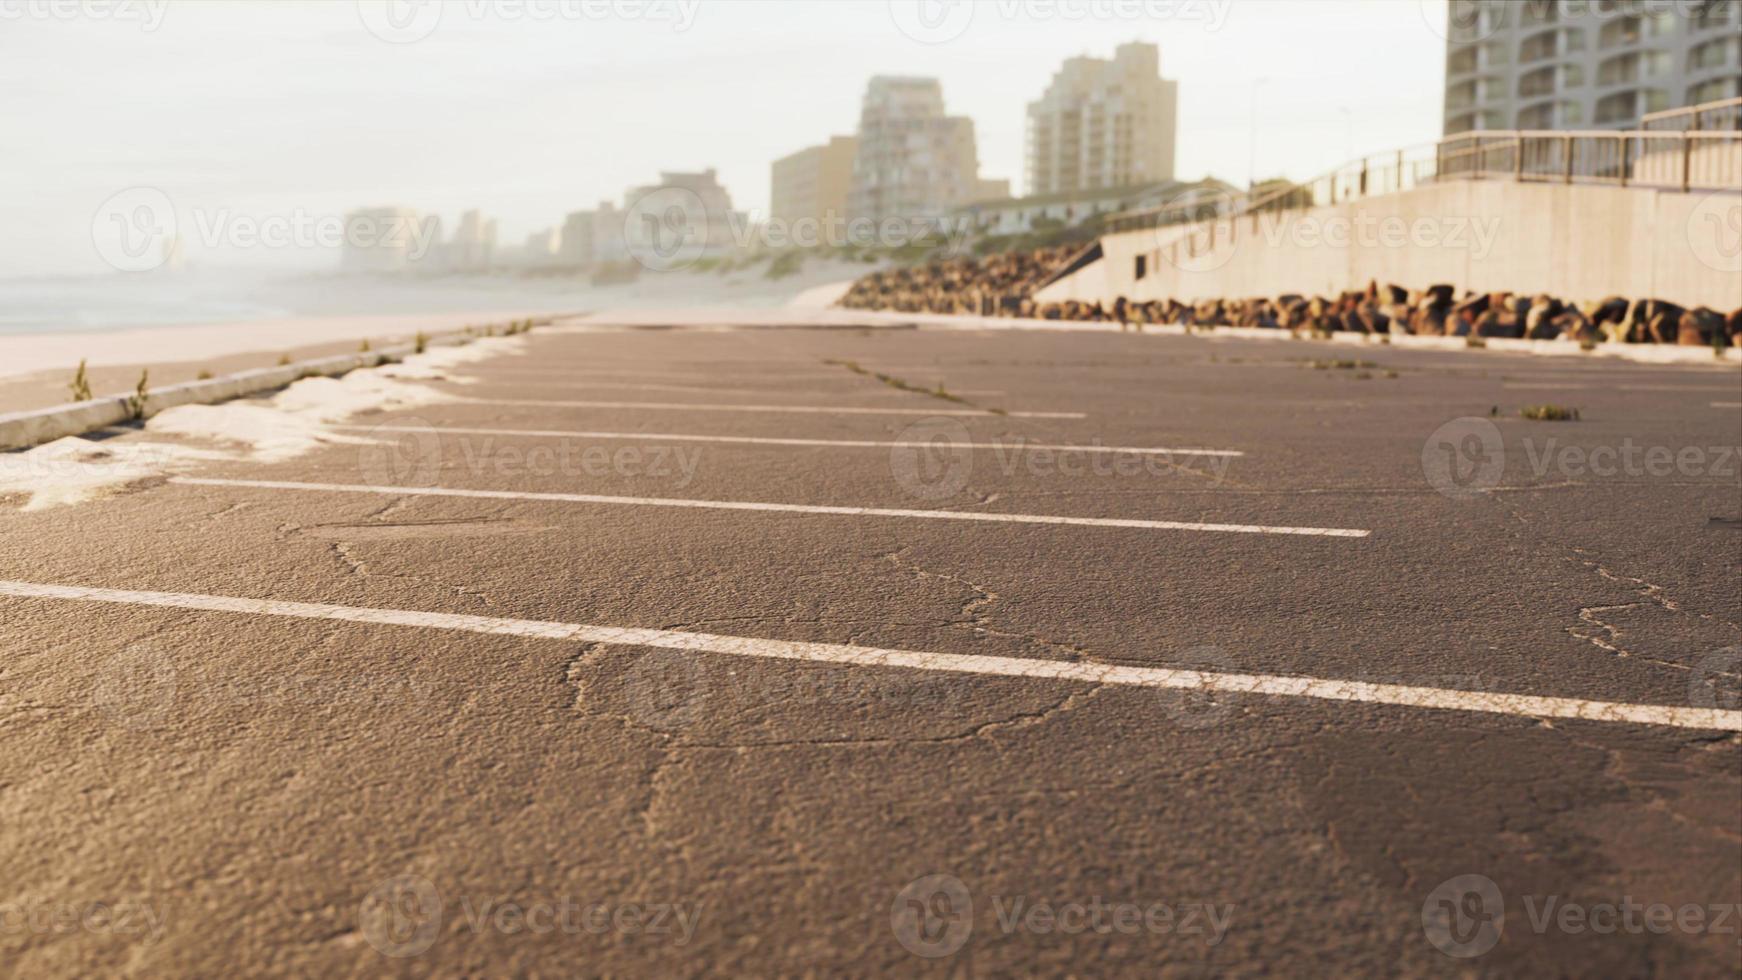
(1549, 413)
(901, 385)
(420, 343)
(136, 401)
(1471, 340)
(81, 384)
(1339, 364)
(203, 376)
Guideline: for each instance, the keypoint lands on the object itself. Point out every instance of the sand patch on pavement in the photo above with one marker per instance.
(73, 470)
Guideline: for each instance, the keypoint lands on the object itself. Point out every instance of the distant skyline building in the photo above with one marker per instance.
(913, 162)
(690, 203)
(383, 240)
(473, 247)
(1103, 123)
(813, 183)
(1595, 65)
(591, 237)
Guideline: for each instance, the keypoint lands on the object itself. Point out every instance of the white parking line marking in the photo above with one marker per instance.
(947, 515)
(1727, 404)
(761, 441)
(1447, 699)
(587, 384)
(801, 409)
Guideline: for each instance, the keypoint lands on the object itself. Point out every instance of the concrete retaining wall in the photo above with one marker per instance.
(21, 430)
(1578, 242)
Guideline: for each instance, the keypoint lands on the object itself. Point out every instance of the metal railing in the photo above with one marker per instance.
(1683, 159)
(1725, 114)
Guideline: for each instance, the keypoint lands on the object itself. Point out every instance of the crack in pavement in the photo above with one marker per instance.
(342, 550)
(973, 613)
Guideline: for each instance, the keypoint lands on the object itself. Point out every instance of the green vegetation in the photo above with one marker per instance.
(81, 385)
(204, 375)
(902, 385)
(785, 264)
(1549, 413)
(1339, 364)
(419, 343)
(1046, 233)
(136, 401)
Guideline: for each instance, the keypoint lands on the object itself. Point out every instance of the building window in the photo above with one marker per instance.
(1714, 90)
(1618, 33)
(1715, 53)
(1142, 268)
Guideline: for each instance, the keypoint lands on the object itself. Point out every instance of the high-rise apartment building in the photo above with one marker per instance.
(1586, 64)
(1103, 123)
(813, 183)
(913, 162)
(387, 239)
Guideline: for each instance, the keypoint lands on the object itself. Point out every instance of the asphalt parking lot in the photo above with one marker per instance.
(860, 651)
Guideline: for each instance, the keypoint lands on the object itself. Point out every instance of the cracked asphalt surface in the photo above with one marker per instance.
(306, 797)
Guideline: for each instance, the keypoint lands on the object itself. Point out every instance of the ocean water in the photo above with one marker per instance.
(113, 302)
(77, 304)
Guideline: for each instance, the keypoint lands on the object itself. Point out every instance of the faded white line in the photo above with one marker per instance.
(1677, 387)
(757, 389)
(1011, 447)
(947, 515)
(1727, 404)
(1447, 699)
(1567, 386)
(799, 409)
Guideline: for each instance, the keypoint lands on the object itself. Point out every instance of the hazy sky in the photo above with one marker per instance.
(532, 108)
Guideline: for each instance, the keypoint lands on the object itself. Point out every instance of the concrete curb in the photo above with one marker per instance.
(1641, 353)
(33, 427)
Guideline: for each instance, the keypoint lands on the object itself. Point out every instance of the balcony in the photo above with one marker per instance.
(1620, 33)
(1550, 44)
